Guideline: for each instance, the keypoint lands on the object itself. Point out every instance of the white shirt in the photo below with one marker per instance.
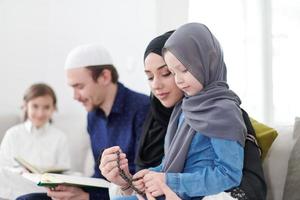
(43, 147)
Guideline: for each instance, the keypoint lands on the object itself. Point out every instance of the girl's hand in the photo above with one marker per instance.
(149, 197)
(109, 166)
(169, 194)
(138, 181)
(151, 181)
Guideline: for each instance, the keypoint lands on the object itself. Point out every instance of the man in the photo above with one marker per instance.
(115, 113)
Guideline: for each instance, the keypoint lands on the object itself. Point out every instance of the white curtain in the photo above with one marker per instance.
(259, 39)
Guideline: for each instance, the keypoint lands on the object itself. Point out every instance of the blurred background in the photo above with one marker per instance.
(260, 39)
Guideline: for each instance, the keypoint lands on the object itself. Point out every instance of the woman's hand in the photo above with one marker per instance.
(151, 181)
(109, 166)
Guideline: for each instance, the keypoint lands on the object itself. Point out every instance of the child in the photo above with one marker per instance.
(209, 118)
(36, 140)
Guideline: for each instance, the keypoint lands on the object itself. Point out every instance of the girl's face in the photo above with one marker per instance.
(183, 78)
(40, 110)
(161, 81)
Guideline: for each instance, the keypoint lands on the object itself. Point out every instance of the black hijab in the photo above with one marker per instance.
(151, 146)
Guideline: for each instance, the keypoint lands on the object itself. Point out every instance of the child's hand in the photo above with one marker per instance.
(109, 165)
(149, 197)
(169, 194)
(138, 181)
(151, 181)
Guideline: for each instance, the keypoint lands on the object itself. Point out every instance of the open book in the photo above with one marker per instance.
(33, 169)
(52, 180)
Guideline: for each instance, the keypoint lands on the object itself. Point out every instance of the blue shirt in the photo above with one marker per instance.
(122, 127)
(212, 165)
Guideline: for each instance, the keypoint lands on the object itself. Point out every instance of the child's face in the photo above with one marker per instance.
(161, 81)
(183, 78)
(40, 110)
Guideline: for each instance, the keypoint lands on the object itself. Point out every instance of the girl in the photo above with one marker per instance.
(161, 82)
(36, 140)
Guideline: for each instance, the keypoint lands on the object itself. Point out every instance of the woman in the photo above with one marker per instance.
(151, 146)
(252, 185)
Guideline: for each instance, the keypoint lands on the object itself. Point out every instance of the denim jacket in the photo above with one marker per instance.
(213, 165)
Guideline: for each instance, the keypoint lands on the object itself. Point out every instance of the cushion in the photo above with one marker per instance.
(275, 164)
(296, 131)
(265, 136)
(292, 183)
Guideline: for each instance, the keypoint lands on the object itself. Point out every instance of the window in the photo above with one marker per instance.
(259, 39)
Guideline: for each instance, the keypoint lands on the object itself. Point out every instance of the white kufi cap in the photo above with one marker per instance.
(88, 55)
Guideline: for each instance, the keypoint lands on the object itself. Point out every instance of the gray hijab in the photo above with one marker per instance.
(214, 111)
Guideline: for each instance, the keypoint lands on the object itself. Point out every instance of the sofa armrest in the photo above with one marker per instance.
(276, 162)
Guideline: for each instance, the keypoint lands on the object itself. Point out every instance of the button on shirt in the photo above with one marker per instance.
(122, 127)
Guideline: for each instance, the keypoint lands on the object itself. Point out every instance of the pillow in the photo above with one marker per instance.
(265, 136)
(296, 131)
(292, 182)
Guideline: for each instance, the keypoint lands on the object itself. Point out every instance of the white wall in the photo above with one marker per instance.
(170, 14)
(36, 36)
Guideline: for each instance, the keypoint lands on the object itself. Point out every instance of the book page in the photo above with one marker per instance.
(49, 179)
(35, 178)
(27, 165)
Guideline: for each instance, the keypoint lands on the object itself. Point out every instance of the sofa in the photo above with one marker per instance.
(275, 163)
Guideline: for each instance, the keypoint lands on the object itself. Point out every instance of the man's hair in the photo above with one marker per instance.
(96, 71)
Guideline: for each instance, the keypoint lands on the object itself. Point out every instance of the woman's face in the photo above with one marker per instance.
(161, 81)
